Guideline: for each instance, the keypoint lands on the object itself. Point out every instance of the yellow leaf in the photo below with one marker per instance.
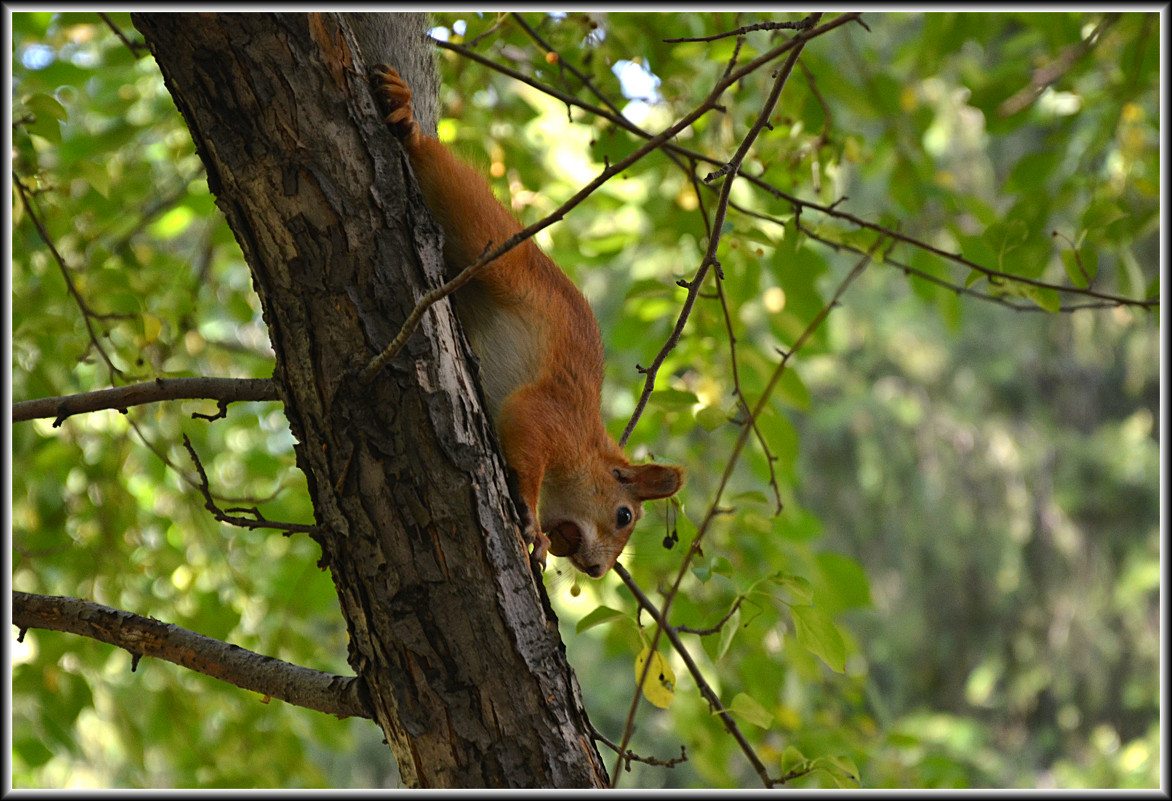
(660, 685)
(151, 326)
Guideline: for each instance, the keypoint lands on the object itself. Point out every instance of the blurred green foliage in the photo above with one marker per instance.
(962, 588)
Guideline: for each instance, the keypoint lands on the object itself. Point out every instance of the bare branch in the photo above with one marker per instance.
(142, 636)
(630, 756)
(719, 624)
(565, 63)
(738, 390)
(800, 25)
(223, 390)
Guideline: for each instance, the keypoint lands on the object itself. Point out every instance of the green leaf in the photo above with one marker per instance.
(674, 399)
(747, 707)
(96, 175)
(47, 127)
(749, 496)
(719, 565)
(1101, 214)
(173, 223)
(799, 588)
(792, 760)
(44, 105)
(596, 617)
(722, 566)
(727, 632)
(30, 749)
(841, 770)
(1003, 237)
(818, 635)
(711, 418)
(1046, 298)
(846, 581)
(1081, 265)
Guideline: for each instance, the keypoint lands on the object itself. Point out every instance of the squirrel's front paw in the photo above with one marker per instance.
(532, 534)
(396, 98)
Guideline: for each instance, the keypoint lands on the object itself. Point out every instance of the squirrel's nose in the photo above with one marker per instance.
(595, 570)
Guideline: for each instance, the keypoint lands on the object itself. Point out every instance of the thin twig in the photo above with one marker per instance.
(566, 64)
(734, 166)
(631, 756)
(86, 312)
(136, 48)
(800, 25)
(738, 447)
(1046, 76)
(191, 482)
(719, 624)
(468, 273)
(959, 258)
(1105, 300)
(742, 401)
(257, 521)
(714, 703)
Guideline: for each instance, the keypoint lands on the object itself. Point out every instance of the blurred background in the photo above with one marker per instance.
(970, 487)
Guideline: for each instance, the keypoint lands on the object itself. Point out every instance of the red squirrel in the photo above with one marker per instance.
(541, 362)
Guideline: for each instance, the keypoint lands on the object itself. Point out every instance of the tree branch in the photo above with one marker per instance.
(959, 258)
(224, 390)
(142, 636)
(136, 48)
(631, 756)
(702, 684)
(1101, 300)
(799, 25)
(732, 170)
(256, 521)
(469, 272)
(715, 508)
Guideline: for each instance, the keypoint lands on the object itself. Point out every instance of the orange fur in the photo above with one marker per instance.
(541, 363)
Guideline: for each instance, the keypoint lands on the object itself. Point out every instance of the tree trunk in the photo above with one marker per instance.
(449, 630)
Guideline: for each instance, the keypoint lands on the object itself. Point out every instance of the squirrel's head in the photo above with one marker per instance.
(588, 515)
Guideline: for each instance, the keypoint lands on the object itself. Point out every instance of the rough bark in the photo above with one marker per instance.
(450, 633)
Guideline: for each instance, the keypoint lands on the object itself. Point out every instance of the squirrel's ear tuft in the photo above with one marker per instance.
(650, 481)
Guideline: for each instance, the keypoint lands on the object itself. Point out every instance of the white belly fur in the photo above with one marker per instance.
(504, 343)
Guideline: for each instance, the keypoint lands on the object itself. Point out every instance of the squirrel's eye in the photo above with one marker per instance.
(623, 518)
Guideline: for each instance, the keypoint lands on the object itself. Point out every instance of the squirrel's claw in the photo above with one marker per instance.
(540, 548)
